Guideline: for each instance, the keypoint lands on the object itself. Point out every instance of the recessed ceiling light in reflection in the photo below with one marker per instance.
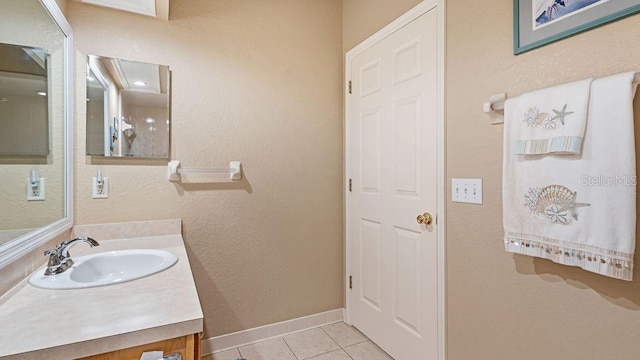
(139, 83)
(41, 93)
(150, 121)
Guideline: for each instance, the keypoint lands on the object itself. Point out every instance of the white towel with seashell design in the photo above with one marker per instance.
(551, 120)
(577, 210)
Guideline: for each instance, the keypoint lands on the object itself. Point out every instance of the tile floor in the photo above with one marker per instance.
(337, 341)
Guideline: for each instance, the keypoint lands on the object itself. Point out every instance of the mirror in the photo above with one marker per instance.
(24, 124)
(127, 108)
(35, 168)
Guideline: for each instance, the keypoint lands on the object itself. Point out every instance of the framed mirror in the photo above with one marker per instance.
(35, 125)
(128, 108)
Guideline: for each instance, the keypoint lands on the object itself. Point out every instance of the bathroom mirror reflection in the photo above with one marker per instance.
(127, 108)
(33, 118)
(24, 126)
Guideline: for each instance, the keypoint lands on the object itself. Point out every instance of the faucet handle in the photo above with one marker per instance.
(54, 260)
(61, 250)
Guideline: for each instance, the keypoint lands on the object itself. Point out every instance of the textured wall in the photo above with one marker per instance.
(362, 18)
(255, 81)
(512, 306)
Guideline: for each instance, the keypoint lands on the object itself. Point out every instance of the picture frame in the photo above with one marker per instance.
(540, 22)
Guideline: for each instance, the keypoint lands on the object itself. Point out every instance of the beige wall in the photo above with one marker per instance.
(509, 306)
(362, 18)
(255, 81)
(500, 305)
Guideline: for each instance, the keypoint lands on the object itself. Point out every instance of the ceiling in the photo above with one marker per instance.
(152, 90)
(22, 71)
(25, 85)
(154, 8)
(127, 73)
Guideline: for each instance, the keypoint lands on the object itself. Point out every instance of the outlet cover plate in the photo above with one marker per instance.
(466, 191)
(40, 195)
(101, 193)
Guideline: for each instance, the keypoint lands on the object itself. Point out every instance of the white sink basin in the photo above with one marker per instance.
(107, 268)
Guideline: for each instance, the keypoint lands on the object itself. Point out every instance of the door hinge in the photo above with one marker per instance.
(350, 282)
(350, 87)
(350, 187)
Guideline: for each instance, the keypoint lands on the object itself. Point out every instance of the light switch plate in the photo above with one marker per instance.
(466, 191)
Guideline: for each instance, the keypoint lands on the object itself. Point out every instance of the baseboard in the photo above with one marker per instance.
(250, 336)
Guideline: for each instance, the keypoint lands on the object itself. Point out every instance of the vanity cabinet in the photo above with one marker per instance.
(113, 320)
(188, 346)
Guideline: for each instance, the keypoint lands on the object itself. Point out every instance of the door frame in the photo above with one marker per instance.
(400, 22)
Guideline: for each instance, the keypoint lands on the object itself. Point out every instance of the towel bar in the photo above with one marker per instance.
(496, 102)
(173, 170)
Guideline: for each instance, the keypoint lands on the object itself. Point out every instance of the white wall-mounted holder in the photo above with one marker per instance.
(494, 108)
(35, 187)
(173, 170)
(496, 102)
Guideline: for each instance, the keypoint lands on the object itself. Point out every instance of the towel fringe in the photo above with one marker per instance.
(609, 263)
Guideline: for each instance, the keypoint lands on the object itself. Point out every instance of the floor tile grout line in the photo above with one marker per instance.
(325, 353)
(330, 338)
(349, 355)
(290, 349)
(276, 337)
(340, 347)
(356, 343)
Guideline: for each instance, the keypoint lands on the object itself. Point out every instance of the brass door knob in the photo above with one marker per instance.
(425, 218)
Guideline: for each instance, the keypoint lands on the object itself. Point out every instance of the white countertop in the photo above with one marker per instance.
(63, 324)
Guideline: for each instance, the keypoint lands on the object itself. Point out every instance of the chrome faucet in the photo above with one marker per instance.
(60, 259)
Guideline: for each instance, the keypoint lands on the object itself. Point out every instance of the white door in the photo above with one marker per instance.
(392, 126)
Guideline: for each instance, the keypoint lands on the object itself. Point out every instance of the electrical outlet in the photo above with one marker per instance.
(466, 191)
(36, 193)
(101, 191)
